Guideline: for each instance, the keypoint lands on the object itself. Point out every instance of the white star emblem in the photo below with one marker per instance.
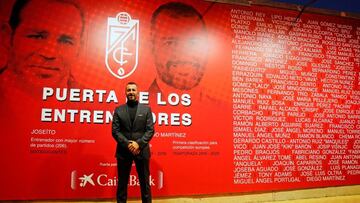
(87, 179)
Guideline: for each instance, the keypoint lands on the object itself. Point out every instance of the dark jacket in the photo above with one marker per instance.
(141, 131)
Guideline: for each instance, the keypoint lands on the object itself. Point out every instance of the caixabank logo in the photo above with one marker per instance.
(86, 180)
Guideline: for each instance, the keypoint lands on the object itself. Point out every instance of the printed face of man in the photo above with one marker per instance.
(131, 92)
(180, 50)
(45, 43)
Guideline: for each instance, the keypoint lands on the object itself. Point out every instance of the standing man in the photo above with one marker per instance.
(133, 128)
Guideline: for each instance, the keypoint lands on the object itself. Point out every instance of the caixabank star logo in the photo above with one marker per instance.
(122, 45)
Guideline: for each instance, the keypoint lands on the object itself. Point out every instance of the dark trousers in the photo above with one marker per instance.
(142, 168)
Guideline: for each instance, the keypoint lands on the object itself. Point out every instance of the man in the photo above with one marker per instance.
(41, 40)
(44, 39)
(133, 128)
(179, 47)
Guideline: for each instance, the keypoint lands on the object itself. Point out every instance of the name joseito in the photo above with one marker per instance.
(43, 132)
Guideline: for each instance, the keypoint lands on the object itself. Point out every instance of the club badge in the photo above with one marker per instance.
(122, 45)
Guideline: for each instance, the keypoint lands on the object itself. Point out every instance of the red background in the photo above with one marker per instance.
(28, 175)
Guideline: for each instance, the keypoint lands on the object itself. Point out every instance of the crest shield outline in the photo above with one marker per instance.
(122, 45)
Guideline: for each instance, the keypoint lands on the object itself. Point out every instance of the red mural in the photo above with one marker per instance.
(249, 98)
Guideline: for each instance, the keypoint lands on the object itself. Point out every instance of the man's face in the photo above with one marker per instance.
(131, 92)
(45, 43)
(180, 50)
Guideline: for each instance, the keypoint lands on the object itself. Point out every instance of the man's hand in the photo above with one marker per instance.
(134, 147)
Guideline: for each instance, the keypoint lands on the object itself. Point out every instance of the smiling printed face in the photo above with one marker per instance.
(45, 43)
(180, 50)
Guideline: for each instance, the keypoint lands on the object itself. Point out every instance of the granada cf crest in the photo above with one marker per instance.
(122, 44)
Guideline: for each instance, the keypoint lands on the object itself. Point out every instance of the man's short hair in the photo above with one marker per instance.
(176, 10)
(131, 83)
(19, 5)
(14, 20)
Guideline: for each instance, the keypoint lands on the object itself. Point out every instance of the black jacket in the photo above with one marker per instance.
(141, 131)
